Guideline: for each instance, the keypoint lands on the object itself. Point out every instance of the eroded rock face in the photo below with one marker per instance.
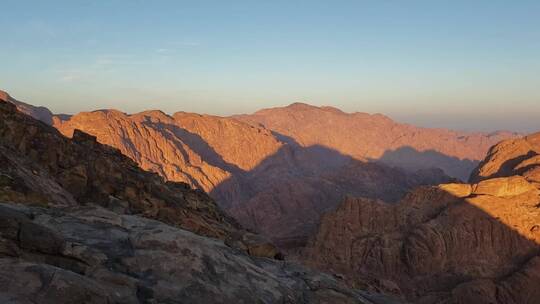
(92, 255)
(455, 243)
(200, 150)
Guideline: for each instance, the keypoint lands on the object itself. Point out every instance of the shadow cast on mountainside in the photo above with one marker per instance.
(411, 159)
(439, 247)
(284, 196)
(195, 142)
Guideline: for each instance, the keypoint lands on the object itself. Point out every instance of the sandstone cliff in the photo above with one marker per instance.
(455, 243)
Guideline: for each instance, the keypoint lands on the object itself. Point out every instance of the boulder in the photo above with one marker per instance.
(503, 186)
(458, 190)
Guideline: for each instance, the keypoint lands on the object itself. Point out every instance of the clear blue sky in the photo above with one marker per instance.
(459, 64)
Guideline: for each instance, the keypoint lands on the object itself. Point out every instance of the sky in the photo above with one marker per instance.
(467, 65)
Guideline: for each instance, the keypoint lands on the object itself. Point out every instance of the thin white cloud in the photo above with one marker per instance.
(108, 63)
(119, 59)
(69, 77)
(186, 44)
(175, 46)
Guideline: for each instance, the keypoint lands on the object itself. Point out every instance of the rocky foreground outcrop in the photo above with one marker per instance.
(81, 223)
(455, 243)
(92, 255)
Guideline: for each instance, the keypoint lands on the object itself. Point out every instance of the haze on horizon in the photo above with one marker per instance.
(459, 65)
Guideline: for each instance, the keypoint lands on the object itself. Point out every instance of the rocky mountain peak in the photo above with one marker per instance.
(4, 96)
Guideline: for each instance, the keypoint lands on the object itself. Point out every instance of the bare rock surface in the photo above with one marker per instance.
(92, 255)
(503, 186)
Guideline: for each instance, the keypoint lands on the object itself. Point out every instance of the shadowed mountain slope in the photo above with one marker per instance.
(288, 192)
(455, 243)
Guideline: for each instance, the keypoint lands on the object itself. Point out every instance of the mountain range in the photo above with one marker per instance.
(158, 208)
(278, 170)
